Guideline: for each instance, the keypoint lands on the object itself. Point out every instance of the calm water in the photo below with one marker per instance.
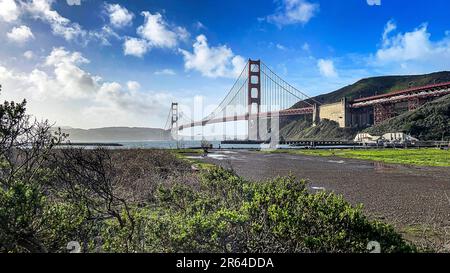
(197, 144)
(182, 144)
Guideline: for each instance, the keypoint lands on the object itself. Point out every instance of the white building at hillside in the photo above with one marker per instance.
(366, 138)
(398, 137)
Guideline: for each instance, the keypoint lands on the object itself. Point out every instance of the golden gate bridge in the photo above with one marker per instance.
(259, 95)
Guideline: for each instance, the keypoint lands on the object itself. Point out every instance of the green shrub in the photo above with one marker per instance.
(225, 213)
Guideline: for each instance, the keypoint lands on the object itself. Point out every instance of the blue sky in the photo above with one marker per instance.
(89, 63)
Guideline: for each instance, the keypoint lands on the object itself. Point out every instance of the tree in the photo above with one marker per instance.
(24, 146)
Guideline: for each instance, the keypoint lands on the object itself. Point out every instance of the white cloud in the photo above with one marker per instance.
(374, 2)
(104, 34)
(28, 54)
(281, 47)
(213, 62)
(293, 12)
(154, 33)
(326, 68)
(61, 26)
(158, 32)
(199, 25)
(168, 72)
(20, 34)
(414, 51)
(118, 15)
(133, 85)
(73, 2)
(9, 11)
(306, 47)
(135, 47)
(69, 95)
(390, 27)
(74, 82)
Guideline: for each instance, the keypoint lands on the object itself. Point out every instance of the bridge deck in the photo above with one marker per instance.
(403, 95)
(264, 115)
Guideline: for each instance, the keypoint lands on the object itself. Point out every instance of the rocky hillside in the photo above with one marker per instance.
(325, 129)
(429, 122)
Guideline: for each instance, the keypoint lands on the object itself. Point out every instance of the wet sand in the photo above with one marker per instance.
(401, 195)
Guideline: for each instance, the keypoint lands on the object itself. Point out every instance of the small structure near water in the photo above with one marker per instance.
(388, 139)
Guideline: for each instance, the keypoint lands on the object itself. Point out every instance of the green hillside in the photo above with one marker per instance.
(325, 129)
(429, 122)
(381, 85)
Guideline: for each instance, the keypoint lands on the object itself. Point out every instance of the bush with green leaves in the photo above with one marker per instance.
(225, 213)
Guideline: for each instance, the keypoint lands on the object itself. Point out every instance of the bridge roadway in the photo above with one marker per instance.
(262, 115)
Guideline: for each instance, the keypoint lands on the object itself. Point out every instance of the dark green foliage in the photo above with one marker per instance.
(225, 213)
(429, 122)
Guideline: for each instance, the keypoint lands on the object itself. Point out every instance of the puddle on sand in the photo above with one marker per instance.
(194, 157)
(217, 156)
(226, 152)
(336, 161)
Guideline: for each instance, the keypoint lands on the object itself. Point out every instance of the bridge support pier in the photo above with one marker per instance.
(415, 103)
(383, 112)
(316, 115)
(174, 120)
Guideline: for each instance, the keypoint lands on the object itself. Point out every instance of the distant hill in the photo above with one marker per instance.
(429, 122)
(380, 85)
(115, 134)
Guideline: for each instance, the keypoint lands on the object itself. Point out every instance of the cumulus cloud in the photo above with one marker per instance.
(61, 26)
(119, 16)
(414, 50)
(74, 82)
(64, 92)
(20, 34)
(135, 47)
(168, 72)
(71, 31)
(154, 33)
(73, 2)
(212, 62)
(9, 11)
(293, 12)
(326, 68)
(158, 32)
